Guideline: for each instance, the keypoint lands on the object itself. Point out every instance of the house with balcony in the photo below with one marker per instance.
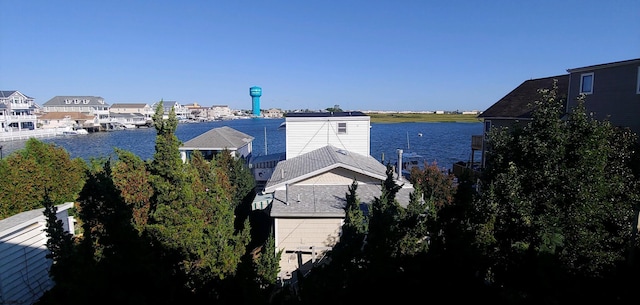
(88, 105)
(305, 194)
(18, 111)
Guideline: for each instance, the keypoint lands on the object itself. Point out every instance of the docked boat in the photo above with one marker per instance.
(75, 132)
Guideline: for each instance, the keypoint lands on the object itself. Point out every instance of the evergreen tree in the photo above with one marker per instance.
(383, 232)
(191, 221)
(557, 204)
(59, 242)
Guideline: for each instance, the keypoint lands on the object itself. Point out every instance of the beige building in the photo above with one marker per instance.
(272, 113)
(142, 109)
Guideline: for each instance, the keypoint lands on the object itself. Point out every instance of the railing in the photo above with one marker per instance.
(27, 134)
(17, 118)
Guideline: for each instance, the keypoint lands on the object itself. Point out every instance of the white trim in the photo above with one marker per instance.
(582, 76)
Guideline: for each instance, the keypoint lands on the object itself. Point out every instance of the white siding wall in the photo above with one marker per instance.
(304, 235)
(244, 150)
(24, 268)
(305, 134)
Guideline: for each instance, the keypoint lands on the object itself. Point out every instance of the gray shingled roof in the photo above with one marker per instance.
(60, 101)
(321, 160)
(326, 200)
(129, 105)
(21, 218)
(218, 139)
(8, 93)
(518, 104)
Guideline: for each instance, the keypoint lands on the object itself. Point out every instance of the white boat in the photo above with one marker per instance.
(74, 132)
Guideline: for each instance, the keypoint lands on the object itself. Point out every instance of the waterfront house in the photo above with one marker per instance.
(24, 267)
(88, 105)
(515, 108)
(305, 195)
(17, 111)
(273, 113)
(182, 112)
(612, 91)
(219, 112)
(66, 120)
(308, 131)
(216, 140)
(197, 112)
(137, 109)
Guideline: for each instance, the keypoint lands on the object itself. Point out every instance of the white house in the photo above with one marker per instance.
(17, 111)
(309, 131)
(306, 193)
(24, 267)
(91, 105)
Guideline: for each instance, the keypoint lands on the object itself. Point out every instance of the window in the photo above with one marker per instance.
(342, 128)
(586, 83)
(638, 81)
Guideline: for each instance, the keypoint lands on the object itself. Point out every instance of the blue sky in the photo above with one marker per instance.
(360, 55)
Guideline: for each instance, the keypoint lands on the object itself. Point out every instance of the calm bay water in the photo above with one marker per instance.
(443, 143)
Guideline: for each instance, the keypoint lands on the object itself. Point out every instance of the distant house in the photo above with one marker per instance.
(24, 267)
(138, 109)
(216, 140)
(182, 112)
(197, 112)
(219, 112)
(273, 113)
(612, 91)
(305, 194)
(17, 111)
(89, 105)
(66, 120)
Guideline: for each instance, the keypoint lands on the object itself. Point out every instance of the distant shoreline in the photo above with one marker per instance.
(422, 117)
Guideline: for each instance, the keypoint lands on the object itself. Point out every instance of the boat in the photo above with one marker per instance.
(74, 132)
(282, 126)
(409, 160)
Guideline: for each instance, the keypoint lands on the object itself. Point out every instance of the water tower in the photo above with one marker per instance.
(255, 93)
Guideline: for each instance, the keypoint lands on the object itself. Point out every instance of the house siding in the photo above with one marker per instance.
(299, 236)
(614, 94)
(307, 134)
(24, 267)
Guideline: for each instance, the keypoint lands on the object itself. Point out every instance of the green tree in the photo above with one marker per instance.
(191, 221)
(383, 232)
(557, 204)
(27, 173)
